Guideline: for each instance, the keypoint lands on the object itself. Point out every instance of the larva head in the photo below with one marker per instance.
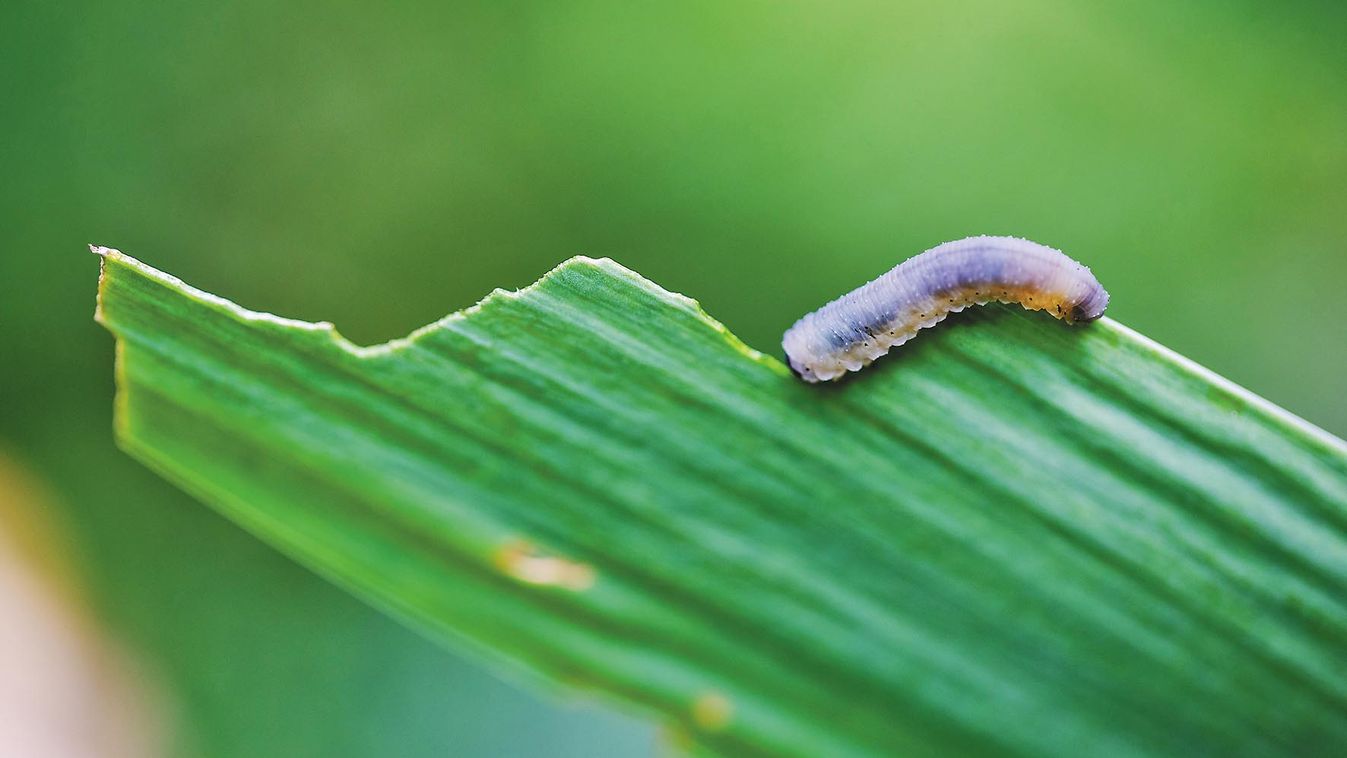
(801, 370)
(803, 348)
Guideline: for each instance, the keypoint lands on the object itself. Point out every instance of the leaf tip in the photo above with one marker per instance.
(103, 254)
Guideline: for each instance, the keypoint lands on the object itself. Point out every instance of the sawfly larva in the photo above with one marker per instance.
(864, 324)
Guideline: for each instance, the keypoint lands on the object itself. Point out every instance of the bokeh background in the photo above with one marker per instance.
(378, 165)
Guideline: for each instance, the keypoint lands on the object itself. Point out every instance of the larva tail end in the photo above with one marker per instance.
(1091, 307)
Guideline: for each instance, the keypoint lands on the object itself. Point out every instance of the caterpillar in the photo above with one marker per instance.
(850, 332)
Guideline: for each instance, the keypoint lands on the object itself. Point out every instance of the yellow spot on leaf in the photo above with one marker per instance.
(712, 711)
(521, 560)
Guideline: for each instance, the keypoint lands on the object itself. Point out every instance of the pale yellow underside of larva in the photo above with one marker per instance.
(906, 326)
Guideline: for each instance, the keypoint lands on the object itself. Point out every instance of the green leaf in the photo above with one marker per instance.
(1010, 536)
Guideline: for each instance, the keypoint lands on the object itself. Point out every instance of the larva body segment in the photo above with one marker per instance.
(864, 324)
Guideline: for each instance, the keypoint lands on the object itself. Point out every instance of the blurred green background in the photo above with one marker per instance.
(380, 165)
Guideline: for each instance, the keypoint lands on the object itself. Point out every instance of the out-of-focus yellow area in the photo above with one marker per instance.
(378, 165)
(66, 689)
